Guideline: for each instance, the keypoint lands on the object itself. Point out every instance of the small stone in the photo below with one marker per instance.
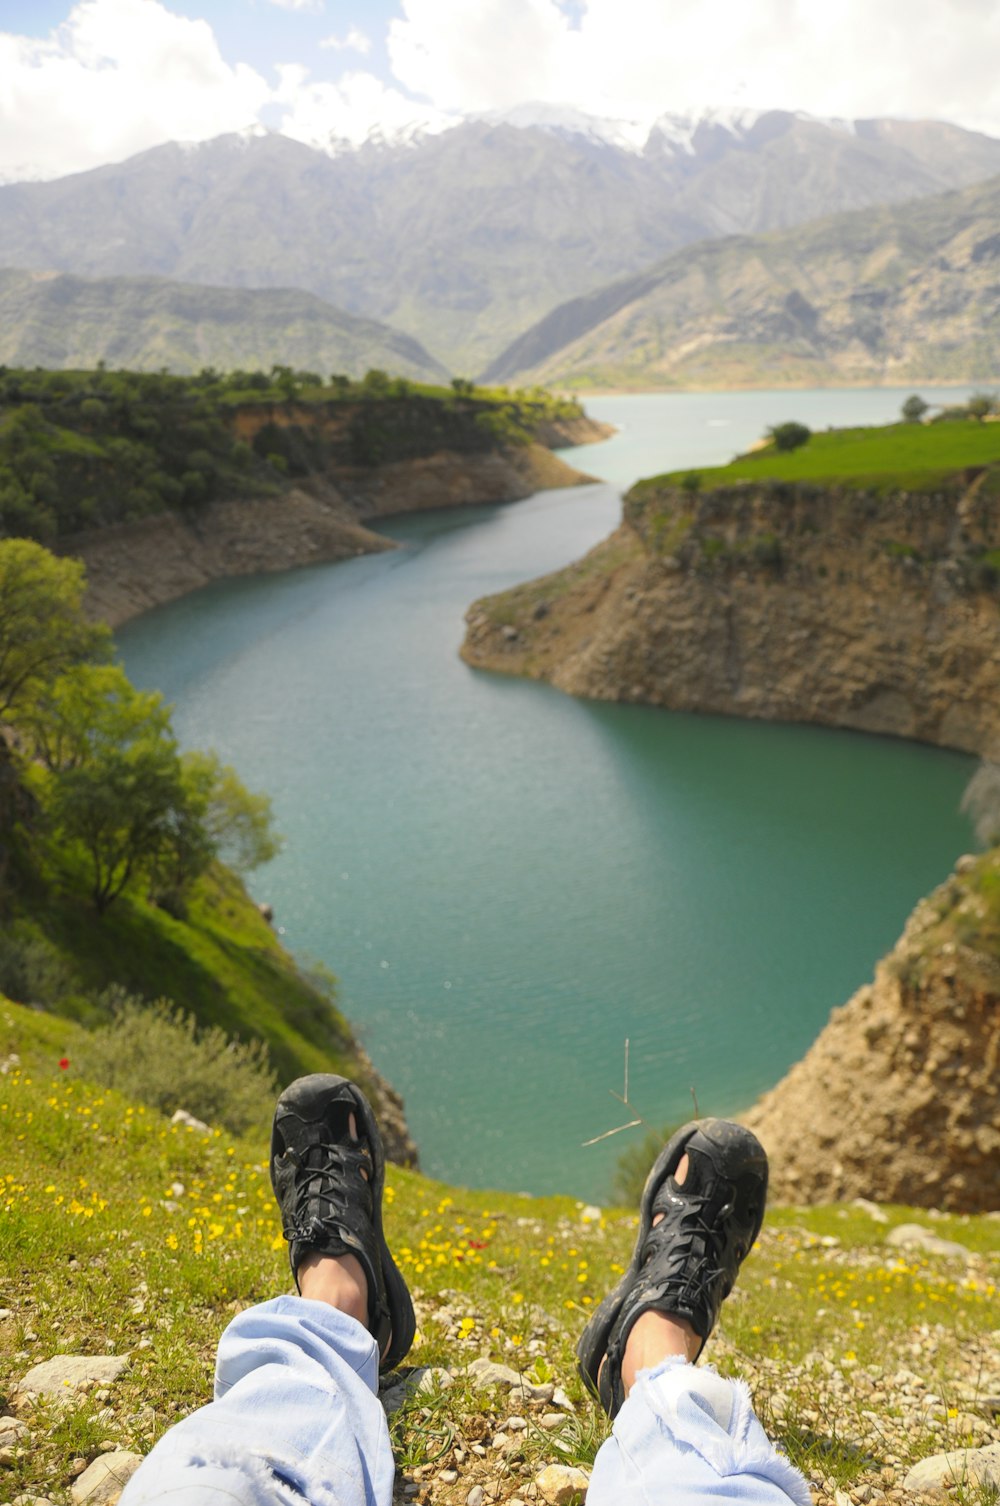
(551, 1420)
(106, 1479)
(873, 1210)
(5, 1313)
(448, 1476)
(475, 1496)
(966, 1466)
(6, 1457)
(11, 1430)
(916, 1237)
(841, 1498)
(486, 1373)
(434, 1378)
(181, 1116)
(562, 1484)
(77, 1466)
(516, 1424)
(69, 1373)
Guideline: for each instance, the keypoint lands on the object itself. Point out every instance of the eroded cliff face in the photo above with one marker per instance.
(140, 565)
(849, 607)
(898, 1099)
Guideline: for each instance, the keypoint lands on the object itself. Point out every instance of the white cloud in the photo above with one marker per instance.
(314, 7)
(355, 41)
(118, 76)
(640, 58)
(347, 110)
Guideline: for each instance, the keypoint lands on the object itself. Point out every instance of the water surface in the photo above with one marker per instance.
(509, 882)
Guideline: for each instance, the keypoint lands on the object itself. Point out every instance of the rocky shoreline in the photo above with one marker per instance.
(136, 566)
(783, 601)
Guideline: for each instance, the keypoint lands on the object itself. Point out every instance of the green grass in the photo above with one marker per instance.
(222, 963)
(121, 1233)
(909, 456)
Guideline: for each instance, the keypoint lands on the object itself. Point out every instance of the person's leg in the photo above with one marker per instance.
(682, 1435)
(296, 1415)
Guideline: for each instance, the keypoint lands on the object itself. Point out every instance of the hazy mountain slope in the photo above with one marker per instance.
(466, 237)
(906, 293)
(146, 323)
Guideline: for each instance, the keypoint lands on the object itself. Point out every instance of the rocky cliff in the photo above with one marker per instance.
(874, 609)
(898, 1098)
(135, 566)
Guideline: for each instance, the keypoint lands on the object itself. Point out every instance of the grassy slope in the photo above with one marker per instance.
(907, 455)
(149, 322)
(95, 1259)
(223, 963)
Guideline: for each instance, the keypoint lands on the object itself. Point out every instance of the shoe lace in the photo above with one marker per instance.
(698, 1245)
(327, 1180)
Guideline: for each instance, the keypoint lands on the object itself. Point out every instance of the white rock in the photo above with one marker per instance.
(487, 1373)
(183, 1117)
(916, 1237)
(562, 1484)
(11, 1430)
(970, 1466)
(475, 1496)
(872, 1209)
(104, 1481)
(67, 1373)
(434, 1378)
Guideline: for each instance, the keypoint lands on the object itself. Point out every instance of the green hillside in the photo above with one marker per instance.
(87, 449)
(885, 295)
(151, 323)
(124, 1235)
(899, 455)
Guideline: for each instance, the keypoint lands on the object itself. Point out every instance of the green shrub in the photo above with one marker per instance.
(789, 436)
(32, 971)
(156, 1053)
(634, 1164)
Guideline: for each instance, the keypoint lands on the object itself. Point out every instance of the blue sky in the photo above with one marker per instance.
(89, 81)
(258, 32)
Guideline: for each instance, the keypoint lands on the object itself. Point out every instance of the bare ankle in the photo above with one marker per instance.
(337, 1280)
(654, 1337)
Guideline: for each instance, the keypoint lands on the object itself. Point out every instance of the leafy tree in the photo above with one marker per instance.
(375, 383)
(914, 408)
(981, 802)
(217, 817)
(115, 788)
(789, 436)
(238, 823)
(981, 404)
(42, 627)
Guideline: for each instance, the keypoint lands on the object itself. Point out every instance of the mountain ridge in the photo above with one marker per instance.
(896, 293)
(463, 237)
(61, 320)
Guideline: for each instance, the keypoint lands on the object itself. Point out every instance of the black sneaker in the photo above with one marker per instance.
(329, 1190)
(686, 1265)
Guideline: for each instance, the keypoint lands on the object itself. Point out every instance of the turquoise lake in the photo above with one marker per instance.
(509, 883)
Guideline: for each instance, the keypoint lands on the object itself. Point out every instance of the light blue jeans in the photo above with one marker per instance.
(296, 1418)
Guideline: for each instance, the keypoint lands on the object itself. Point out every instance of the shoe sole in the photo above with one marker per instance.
(593, 1343)
(303, 1097)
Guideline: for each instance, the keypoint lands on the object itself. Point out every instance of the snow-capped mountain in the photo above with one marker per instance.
(465, 233)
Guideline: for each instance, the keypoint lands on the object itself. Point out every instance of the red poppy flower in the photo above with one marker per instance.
(64, 1062)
